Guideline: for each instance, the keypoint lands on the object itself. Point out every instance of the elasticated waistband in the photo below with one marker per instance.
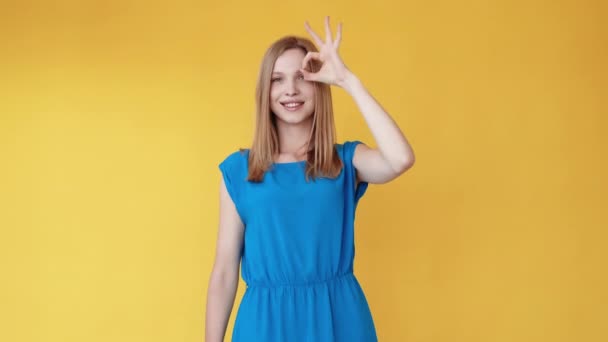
(260, 284)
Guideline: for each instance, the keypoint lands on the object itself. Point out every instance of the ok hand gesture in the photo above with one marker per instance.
(333, 71)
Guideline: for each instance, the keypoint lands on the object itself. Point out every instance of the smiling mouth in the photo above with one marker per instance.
(292, 106)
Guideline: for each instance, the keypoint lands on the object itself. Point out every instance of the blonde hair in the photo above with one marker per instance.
(322, 158)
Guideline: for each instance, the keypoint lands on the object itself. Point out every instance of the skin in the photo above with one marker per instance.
(288, 85)
(392, 158)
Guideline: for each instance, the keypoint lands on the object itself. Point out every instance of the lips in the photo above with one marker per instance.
(292, 105)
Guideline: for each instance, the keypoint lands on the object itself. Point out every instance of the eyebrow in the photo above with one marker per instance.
(280, 73)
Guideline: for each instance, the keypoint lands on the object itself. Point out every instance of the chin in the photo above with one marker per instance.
(292, 120)
(293, 117)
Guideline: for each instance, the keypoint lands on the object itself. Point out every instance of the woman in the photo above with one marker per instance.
(287, 204)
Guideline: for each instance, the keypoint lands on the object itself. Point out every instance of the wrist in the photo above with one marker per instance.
(349, 82)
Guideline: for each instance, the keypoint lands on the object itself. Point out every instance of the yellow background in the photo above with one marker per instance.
(115, 114)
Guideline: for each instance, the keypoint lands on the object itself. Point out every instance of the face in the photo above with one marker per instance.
(291, 97)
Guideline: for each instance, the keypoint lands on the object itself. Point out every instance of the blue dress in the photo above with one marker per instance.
(298, 252)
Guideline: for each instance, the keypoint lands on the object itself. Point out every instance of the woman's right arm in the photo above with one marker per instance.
(224, 278)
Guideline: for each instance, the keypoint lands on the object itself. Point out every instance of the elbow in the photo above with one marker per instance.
(224, 278)
(404, 164)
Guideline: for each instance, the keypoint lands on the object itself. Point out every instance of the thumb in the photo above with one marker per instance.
(309, 76)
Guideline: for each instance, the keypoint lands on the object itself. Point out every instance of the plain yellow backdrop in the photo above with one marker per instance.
(115, 114)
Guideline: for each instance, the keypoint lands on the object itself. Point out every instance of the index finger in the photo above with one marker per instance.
(313, 34)
(328, 34)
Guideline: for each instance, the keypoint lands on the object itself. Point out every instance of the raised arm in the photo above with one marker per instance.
(394, 154)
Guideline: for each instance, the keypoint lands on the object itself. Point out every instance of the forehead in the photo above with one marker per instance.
(290, 60)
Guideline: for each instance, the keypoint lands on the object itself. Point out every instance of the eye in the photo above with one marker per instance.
(275, 79)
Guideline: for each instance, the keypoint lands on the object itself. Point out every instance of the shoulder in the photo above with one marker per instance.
(235, 164)
(237, 157)
(347, 149)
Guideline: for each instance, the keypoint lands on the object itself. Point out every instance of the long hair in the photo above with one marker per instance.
(322, 158)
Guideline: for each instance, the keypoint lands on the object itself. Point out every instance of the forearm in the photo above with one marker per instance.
(390, 140)
(220, 300)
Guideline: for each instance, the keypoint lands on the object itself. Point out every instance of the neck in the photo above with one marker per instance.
(293, 139)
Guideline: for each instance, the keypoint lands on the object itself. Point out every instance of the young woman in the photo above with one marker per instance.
(287, 204)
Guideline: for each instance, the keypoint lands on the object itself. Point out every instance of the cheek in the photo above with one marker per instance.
(310, 92)
(307, 90)
(273, 94)
(274, 98)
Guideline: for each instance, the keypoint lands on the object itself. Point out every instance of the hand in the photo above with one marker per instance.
(333, 71)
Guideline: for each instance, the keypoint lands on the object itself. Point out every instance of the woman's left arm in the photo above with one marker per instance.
(394, 154)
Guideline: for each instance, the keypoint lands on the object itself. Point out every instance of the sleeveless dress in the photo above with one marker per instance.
(298, 252)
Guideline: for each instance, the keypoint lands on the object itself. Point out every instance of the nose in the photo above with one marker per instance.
(291, 87)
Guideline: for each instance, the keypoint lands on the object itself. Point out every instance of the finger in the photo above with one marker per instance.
(308, 76)
(327, 30)
(313, 34)
(338, 36)
(310, 55)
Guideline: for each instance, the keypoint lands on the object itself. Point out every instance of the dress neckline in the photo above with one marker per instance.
(290, 163)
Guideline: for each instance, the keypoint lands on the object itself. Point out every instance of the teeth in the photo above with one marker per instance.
(292, 104)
